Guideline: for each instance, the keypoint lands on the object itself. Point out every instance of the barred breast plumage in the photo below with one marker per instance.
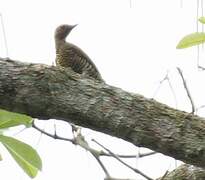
(69, 55)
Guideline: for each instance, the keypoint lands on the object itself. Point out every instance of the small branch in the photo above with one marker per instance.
(51, 135)
(166, 78)
(201, 107)
(78, 140)
(160, 84)
(165, 174)
(4, 36)
(187, 90)
(172, 90)
(201, 68)
(101, 164)
(141, 155)
(127, 165)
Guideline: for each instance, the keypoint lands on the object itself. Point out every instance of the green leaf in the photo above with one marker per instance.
(202, 20)
(10, 119)
(25, 155)
(1, 158)
(191, 40)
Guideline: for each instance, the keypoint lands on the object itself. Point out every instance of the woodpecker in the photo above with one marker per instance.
(70, 55)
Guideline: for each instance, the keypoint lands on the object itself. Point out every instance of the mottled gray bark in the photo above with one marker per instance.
(47, 92)
(186, 172)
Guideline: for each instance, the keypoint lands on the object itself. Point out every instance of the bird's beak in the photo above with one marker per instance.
(74, 26)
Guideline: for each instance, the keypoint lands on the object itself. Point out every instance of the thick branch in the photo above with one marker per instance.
(46, 92)
(185, 172)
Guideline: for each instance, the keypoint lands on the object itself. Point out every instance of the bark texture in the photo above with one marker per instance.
(186, 172)
(48, 92)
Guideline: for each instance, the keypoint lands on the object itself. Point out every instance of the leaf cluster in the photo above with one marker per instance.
(25, 156)
(192, 39)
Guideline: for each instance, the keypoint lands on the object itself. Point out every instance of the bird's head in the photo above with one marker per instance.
(63, 30)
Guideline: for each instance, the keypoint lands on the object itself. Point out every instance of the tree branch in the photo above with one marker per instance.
(185, 172)
(48, 92)
(79, 140)
(187, 90)
(124, 163)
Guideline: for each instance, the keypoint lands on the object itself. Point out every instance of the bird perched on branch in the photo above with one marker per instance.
(69, 55)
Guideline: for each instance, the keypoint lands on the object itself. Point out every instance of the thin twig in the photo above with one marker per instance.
(187, 90)
(201, 107)
(4, 36)
(197, 30)
(201, 68)
(130, 3)
(102, 153)
(127, 165)
(101, 164)
(172, 90)
(197, 15)
(80, 140)
(165, 174)
(166, 78)
(159, 86)
(51, 135)
(20, 131)
(41, 134)
(55, 129)
(181, 3)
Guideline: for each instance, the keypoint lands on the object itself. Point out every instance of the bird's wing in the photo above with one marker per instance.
(81, 62)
